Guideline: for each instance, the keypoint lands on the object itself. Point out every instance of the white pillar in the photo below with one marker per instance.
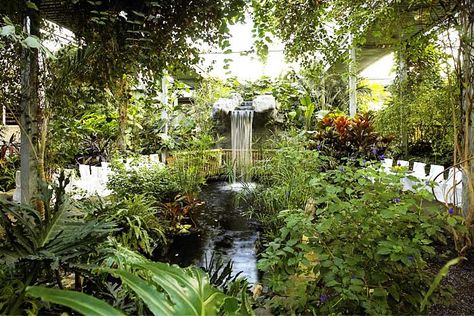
(164, 99)
(164, 114)
(352, 78)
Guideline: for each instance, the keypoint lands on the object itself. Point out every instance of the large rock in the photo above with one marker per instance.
(226, 105)
(264, 103)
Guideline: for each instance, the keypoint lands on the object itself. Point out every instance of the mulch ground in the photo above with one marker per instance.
(461, 279)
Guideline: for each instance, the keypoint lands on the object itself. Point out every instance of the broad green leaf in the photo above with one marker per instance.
(7, 30)
(32, 42)
(189, 289)
(156, 301)
(80, 302)
(380, 292)
(451, 221)
(31, 5)
(395, 292)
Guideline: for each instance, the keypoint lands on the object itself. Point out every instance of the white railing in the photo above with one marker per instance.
(446, 190)
(92, 180)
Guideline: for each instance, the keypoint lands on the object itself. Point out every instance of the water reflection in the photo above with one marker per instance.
(225, 233)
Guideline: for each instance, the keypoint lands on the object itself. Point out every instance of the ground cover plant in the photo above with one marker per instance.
(171, 191)
(346, 238)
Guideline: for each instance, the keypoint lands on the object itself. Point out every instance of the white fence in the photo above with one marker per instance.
(446, 190)
(92, 180)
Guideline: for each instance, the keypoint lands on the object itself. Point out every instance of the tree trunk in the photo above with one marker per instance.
(402, 90)
(467, 99)
(123, 100)
(29, 112)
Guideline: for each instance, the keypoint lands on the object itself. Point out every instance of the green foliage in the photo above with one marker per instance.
(361, 244)
(8, 167)
(33, 247)
(284, 179)
(349, 138)
(141, 227)
(303, 27)
(188, 125)
(80, 302)
(172, 190)
(10, 74)
(436, 282)
(13, 33)
(83, 117)
(301, 94)
(64, 234)
(156, 182)
(423, 107)
(165, 290)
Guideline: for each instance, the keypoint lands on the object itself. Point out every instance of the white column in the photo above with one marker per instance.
(352, 78)
(164, 113)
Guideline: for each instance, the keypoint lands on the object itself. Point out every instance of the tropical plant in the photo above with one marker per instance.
(416, 113)
(155, 182)
(347, 138)
(63, 233)
(284, 179)
(36, 245)
(359, 244)
(9, 164)
(141, 227)
(164, 289)
(173, 190)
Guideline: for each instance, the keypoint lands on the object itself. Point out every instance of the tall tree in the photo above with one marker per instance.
(133, 37)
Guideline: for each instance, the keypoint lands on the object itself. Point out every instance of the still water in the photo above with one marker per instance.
(225, 232)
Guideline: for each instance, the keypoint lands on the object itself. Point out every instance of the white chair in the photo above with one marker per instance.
(154, 158)
(403, 163)
(95, 172)
(453, 187)
(84, 171)
(436, 173)
(419, 170)
(387, 164)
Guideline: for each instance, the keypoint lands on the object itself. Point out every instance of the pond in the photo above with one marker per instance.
(224, 232)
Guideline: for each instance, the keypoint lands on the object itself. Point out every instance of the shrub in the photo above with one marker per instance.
(347, 138)
(154, 182)
(360, 246)
(170, 191)
(9, 163)
(8, 168)
(140, 227)
(283, 184)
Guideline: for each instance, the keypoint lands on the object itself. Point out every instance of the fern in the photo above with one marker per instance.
(65, 232)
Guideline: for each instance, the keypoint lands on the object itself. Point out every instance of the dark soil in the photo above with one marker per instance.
(461, 279)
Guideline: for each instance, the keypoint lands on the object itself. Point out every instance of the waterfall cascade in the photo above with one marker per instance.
(241, 132)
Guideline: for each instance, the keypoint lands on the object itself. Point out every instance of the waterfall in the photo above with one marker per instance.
(241, 130)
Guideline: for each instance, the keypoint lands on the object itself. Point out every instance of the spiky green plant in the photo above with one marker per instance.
(33, 247)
